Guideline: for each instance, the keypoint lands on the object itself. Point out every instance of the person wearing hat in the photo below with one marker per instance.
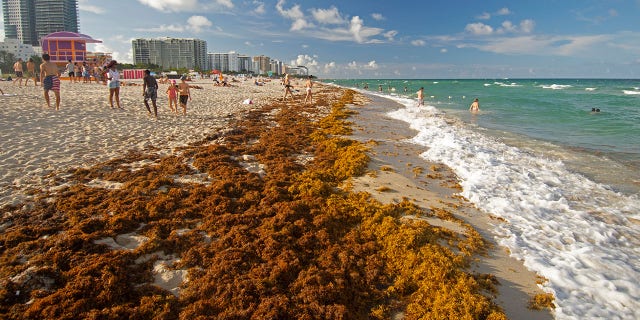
(114, 83)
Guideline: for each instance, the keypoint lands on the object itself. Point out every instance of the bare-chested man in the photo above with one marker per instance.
(17, 68)
(31, 72)
(49, 74)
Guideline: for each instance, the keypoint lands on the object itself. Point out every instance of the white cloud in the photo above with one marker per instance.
(163, 28)
(198, 23)
(327, 16)
(260, 10)
(344, 30)
(484, 16)
(308, 61)
(390, 35)
(225, 3)
(83, 5)
(295, 14)
(507, 26)
(330, 67)
(526, 26)
(443, 50)
(541, 45)
(352, 65)
(479, 28)
(300, 24)
(172, 5)
(377, 16)
(503, 12)
(419, 43)
(372, 65)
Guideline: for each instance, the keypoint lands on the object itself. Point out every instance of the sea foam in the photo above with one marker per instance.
(576, 233)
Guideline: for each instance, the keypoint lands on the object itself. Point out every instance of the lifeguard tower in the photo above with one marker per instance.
(63, 46)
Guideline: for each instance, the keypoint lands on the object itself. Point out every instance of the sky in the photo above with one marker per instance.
(391, 39)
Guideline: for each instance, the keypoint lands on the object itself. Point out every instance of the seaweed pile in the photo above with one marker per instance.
(287, 241)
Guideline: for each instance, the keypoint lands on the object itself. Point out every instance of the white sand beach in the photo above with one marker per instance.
(36, 142)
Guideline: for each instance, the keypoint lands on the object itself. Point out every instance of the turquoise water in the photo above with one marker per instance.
(557, 111)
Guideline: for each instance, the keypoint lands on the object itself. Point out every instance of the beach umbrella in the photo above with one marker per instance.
(215, 71)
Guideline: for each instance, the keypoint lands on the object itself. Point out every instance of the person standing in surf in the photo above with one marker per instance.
(475, 106)
(421, 97)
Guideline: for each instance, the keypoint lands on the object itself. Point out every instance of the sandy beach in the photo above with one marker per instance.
(123, 198)
(36, 141)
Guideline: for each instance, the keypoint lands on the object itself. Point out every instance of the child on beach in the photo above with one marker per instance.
(185, 95)
(172, 91)
(150, 91)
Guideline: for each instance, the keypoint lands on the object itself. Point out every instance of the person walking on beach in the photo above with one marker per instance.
(31, 72)
(308, 85)
(50, 74)
(172, 91)
(287, 87)
(185, 94)
(114, 83)
(70, 73)
(150, 91)
(421, 97)
(17, 68)
(475, 106)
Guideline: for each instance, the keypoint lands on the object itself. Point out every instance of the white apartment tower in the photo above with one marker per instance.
(171, 53)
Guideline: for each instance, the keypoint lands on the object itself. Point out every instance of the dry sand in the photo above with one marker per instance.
(37, 143)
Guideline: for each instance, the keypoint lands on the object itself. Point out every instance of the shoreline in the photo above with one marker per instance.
(401, 169)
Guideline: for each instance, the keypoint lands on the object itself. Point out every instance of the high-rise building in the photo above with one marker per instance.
(171, 53)
(264, 64)
(225, 62)
(30, 20)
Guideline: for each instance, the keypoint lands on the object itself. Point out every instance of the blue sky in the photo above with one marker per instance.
(392, 39)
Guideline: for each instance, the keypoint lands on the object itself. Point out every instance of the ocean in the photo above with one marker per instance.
(564, 177)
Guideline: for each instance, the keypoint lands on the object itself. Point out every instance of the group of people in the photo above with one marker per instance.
(83, 71)
(308, 85)
(18, 69)
(474, 107)
(176, 93)
(50, 77)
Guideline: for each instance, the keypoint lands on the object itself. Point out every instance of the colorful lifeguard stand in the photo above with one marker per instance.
(63, 46)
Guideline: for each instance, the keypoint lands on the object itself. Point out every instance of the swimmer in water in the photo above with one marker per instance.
(475, 106)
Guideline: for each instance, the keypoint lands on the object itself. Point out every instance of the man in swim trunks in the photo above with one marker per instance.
(31, 72)
(49, 74)
(150, 91)
(185, 94)
(17, 68)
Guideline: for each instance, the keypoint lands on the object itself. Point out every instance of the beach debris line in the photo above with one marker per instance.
(288, 244)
